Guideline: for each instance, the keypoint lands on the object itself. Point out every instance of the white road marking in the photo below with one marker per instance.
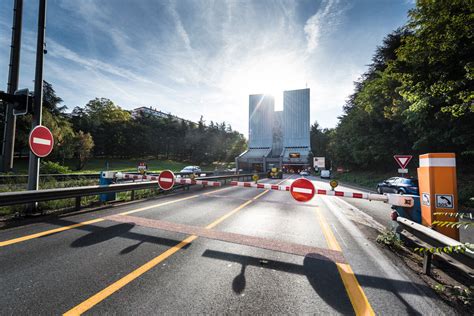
(41, 141)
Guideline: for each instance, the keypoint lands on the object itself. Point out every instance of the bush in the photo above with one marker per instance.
(390, 239)
(49, 167)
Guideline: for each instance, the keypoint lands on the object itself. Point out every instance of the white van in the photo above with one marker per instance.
(326, 174)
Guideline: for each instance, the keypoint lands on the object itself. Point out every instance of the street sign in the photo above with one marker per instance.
(425, 199)
(444, 201)
(402, 160)
(402, 170)
(333, 184)
(302, 190)
(142, 167)
(166, 180)
(255, 178)
(41, 141)
(319, 162)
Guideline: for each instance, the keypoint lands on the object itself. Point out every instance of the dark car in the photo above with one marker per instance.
(398, 185)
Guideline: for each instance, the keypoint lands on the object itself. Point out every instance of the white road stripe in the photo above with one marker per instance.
(302, 190)
(41, 141)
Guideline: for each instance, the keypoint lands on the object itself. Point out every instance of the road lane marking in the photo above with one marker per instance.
(356, 294)
(60, 229)
(117, 285)
(158, 205)
(48, 232)
(114, 287)
(247, 240)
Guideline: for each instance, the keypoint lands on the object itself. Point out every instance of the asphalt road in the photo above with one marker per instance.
(92, 263)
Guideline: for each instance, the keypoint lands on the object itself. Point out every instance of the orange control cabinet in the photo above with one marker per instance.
(438, 190)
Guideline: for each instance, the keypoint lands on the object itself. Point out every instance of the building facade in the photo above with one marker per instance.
(296, 128)
(278, 138)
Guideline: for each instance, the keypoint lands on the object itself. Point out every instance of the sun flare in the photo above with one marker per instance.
(268, 75)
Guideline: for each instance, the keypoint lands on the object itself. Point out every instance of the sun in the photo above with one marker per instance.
(270, 74)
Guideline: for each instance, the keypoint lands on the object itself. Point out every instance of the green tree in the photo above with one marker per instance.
(83, 148)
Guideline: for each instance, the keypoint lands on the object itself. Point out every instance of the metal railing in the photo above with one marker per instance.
(23, 197)
(23, 178)
(430, 239)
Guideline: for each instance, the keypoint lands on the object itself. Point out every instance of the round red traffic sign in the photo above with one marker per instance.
(166, 180)
(302, 190)
(41, 141)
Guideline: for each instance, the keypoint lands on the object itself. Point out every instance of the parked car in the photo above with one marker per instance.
(326, 174)
(399, 185)
(191, 169)
(304, 173)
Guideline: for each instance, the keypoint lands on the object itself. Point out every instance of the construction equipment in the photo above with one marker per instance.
(275, 172)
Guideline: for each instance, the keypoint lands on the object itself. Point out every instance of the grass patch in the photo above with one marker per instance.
(97, 165)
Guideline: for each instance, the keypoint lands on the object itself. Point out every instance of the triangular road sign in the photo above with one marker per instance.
(402, 160)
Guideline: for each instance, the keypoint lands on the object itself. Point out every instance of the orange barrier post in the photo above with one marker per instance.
(438, 190)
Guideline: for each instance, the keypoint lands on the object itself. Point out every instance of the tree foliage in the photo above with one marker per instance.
(417, 95)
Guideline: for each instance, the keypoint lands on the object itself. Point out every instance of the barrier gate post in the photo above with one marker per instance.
(438, 190)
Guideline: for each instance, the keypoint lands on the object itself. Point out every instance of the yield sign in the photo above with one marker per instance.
(302, 190)
(166, 180)
(402, 160)
(41, 141)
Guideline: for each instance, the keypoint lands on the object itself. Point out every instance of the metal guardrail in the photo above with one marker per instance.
(23, 178)
(429, 238)
(23, 197)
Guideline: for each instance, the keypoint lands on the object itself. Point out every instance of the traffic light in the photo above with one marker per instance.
(21, 105)
(21, 100)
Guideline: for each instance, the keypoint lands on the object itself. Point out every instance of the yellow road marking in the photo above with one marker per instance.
(60, 229)
(356, 294)
(159, 205)
(102, 295)
(48, 232)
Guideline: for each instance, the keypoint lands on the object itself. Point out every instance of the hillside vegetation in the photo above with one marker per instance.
(417, 96)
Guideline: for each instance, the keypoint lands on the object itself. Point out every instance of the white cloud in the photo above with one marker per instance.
(323, 22)
(195, 58)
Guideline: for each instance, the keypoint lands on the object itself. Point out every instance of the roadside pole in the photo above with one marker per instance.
(34, 161)
(8, 146)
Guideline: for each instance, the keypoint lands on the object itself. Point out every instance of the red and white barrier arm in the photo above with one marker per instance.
(394, 199)
(267, 186)
(126, 176)
(201, 182)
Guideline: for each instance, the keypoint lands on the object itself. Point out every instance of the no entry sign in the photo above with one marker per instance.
(41, 141)
(302, 190)
(166, 180)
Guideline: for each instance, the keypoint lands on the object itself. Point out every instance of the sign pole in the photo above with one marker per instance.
(8, 147)
(34, 161)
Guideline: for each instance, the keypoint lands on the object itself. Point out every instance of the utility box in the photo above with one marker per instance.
(438, 190)
(107, 178)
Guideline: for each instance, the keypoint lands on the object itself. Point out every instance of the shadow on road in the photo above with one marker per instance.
(98, 234)
(322, 275)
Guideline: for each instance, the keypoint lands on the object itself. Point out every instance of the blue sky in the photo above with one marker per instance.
(193, 57)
